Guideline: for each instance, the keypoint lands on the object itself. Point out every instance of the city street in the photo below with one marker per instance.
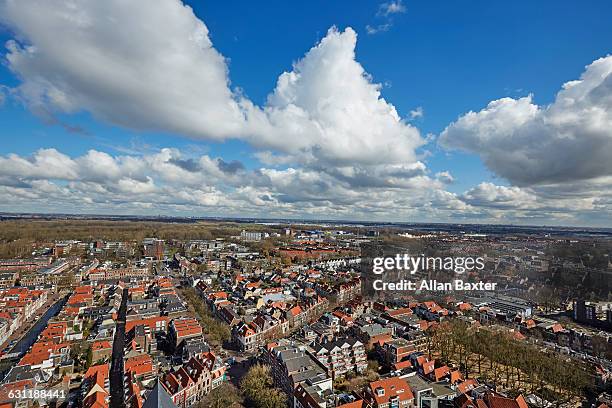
(116, 373)
(35, 319)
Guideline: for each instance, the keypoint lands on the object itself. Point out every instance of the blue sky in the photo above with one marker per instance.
(447, 58)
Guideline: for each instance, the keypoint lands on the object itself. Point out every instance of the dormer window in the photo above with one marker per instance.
(380, 391)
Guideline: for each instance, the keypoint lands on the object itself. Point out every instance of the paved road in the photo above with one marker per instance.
(24, 344)
(30, 337)
(116, 374)
(237, 371)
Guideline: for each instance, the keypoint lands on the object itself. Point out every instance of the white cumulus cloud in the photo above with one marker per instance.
(568, 140)
(329, 109)
(131, 63)
(149, 67)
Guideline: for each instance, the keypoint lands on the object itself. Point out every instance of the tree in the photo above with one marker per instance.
(76, 350)
(511, 364)
(15, 249)
(286, 261)
(87, 328)
(373, 365)
(224, 396)
(601, 347)
(81, 354)
(257, 387)
(66, 281)
(89, 357)
(267, 247)
(216, 331)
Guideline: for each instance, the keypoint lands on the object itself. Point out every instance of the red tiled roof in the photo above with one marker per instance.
(186, 326)
(467, 385)
(100, 345)
(34, 358)
(402, 364)
(455, 377)
(557, 328)
(400, 312)
(150, 321)
(428, 366)
(139, 365)
(354, 404)
(441, 372)
(496, 401)
(295, 310)
(392, 387)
